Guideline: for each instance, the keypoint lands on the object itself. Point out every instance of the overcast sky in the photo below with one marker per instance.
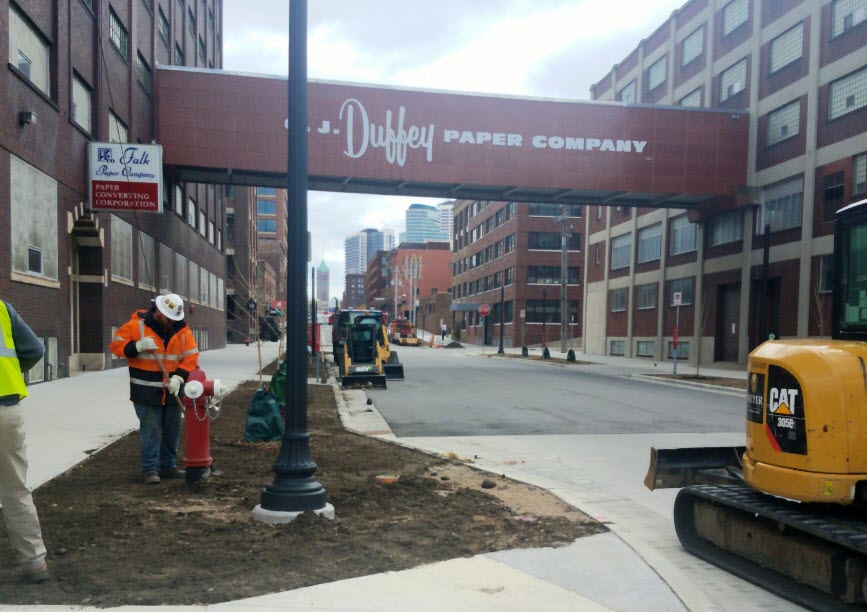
(547, 48)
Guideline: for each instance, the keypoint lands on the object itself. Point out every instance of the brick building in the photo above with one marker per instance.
(241, 258)
(271, 229)
(353, 294)
(433, 310)
(517, 247)
(799, 68)
(84, 70)
(376, 282)
(423, 268)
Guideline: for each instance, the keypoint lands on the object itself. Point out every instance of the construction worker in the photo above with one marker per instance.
(20, 350)
(161, 352)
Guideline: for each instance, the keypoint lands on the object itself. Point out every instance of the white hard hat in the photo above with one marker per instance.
(171, 305)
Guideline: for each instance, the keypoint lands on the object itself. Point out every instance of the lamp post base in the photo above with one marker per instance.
(276, 517)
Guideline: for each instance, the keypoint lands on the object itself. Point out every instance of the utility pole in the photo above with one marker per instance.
(565, 236)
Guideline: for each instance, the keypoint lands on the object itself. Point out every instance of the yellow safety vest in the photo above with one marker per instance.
(11, 379)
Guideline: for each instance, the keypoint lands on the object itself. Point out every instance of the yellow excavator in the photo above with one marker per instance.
(788, 511)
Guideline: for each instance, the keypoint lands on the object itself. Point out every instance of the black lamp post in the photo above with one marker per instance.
(546, 354)
(500, 351)
(294, 489)
(313, 311)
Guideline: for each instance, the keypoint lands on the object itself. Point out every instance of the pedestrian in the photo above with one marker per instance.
(443, 330)
(20, 350)
(151, 335)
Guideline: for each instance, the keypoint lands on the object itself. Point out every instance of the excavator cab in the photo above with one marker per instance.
(772, 511)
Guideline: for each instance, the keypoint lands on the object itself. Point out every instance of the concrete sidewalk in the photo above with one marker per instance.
(69, 419)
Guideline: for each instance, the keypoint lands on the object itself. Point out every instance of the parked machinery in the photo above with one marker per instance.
(787, 511)
(361, 348)
(402, 331)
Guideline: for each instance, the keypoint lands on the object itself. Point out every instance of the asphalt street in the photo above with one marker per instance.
(454, 392)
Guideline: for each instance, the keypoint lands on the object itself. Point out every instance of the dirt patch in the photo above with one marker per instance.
(114, 541)
(732, 383)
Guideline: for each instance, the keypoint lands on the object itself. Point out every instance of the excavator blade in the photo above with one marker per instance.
(377, 381)
(394, 371)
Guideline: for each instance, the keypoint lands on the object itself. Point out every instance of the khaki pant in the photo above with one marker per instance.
(22, 523)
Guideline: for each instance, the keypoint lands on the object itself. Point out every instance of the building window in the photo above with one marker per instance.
(143, 73)
(692, 46)
(726, 228)
(191, 21)
(550, 275)
(833, 188)
(647, 296)
(147, 262)
(787, 48)
(682, 236)
(733, 80)
(121, 249)
(191, 212)
(163, 25)
(682, 350)
(118, 34)
(28, 51)
(211, 232)
(33, 220)
(266, 207)
(617, 347)
(547, 311)
(846, 14)
(195, 287)
(510, 244)
(644, 348)
(782, 208)
(693, 98)
(181, 269)
(618, 299)
(179, 56)
(117, 131)
(597, 253)
(848, 94)
(552, 241)
(621, 247)
(784, 123)
(81, 103)
(510, 276)
(202, 50)
(267, 225)
(179, 199)
(656, 74)
(627, 93)
(166, 263)
(826, 277)
(859, 174)
(554, 210)
(735, 14)
(650, 243)
(599, 213)
(210, 18)
(684, 287)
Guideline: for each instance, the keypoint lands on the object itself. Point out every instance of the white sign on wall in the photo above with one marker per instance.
(125, 176)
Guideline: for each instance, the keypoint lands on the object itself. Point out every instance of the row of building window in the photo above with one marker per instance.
(486, 255)
(503, 278)
(465, 237)
(647, 348)
(618, 299)
(197, 218)
(176, 273)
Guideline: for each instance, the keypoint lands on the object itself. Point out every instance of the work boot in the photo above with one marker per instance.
(173, 472)
(37, 573)
(151, 478)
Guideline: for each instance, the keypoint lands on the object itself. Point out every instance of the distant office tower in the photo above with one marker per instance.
(322, 279)
(361, 246)
(447, 221)
(423, 223)
(355, 253)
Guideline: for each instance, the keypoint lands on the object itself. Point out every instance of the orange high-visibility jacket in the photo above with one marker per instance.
(176, 349)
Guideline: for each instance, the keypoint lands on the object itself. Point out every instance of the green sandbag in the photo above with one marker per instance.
(264, 421)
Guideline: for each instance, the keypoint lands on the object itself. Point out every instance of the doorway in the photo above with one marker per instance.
(728, 317)
(87, 344)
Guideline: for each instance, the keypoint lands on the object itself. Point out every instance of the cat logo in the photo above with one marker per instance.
(782, 401)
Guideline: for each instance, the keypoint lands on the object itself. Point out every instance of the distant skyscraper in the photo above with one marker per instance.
(423, 223)
(447, 221)
(322, 279)
(361, 246)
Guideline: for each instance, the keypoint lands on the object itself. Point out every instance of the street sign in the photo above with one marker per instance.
(523, 313)
(678, 299)
(484, 310)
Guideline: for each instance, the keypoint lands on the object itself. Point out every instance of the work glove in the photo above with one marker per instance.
(174, 384)
(145, 344)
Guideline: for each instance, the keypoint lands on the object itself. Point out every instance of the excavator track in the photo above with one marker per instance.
(817, 559)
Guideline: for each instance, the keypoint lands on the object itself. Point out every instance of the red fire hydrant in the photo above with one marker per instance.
(198, 396)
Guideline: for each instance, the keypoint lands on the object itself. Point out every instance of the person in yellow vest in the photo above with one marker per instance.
(20, 350)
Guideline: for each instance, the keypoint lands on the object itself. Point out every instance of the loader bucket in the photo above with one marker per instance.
(377, 381)
(394, 371)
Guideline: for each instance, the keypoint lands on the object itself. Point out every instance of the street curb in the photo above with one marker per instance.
(688, 383)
